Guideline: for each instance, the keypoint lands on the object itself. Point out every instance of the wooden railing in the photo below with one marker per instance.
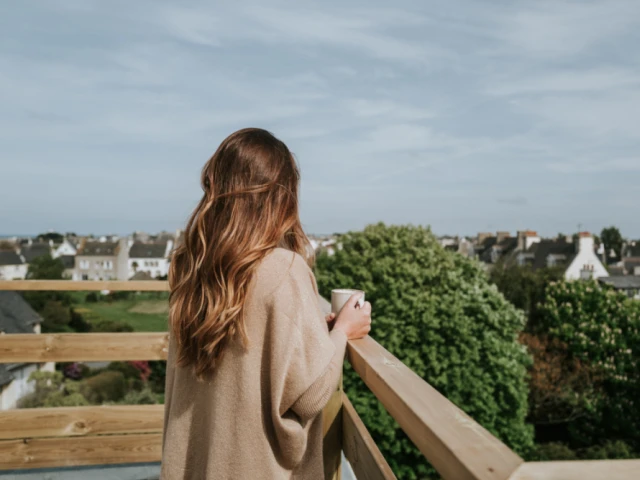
(457, 446)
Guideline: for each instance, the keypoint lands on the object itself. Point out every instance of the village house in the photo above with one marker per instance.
(579, 260)
(32, 250)
(150, 258)
(66, 248)
(12, 265)
(106, 260)
(16, 316)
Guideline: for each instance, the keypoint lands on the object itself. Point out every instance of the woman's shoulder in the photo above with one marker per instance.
(280, 262)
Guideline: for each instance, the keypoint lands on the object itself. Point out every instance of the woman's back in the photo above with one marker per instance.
(247, 419)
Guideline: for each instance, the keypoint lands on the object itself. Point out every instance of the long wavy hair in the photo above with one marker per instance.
(249, 207)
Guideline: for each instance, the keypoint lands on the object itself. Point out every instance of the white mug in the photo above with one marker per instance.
(340, 296)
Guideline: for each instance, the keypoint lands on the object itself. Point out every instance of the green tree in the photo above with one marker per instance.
(45, 267)
(612, 239)
(601, 329)
(524, 287)
(436, 311)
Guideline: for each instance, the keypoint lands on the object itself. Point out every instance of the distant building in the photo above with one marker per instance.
(12, 266)
(151, 258)
(66, 248)
(629, 284)
(16, 316)
(69, 262)
(106, 260)
(579, 261)
(33, 250)
(490, 248)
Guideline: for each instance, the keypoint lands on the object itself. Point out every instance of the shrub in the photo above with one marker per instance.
(551, 451)
(142, 397)
(436, 311)
(92, 297)
(51, 389)
(107, 386)
(112, 326)
(130, 373)
(601, 329)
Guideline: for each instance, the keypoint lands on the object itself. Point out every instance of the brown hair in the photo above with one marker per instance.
(249, 207)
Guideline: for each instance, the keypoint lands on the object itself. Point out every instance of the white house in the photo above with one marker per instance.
(16, 316)
(66, 248)
(151, 258)
(12, 266)
(585, 264)
(579, 260)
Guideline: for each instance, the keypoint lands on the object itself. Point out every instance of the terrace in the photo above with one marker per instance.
(457, 446)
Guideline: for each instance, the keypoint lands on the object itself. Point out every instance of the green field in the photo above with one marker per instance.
(144, 312)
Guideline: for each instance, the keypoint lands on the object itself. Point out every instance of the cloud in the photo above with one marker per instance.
(515, 201)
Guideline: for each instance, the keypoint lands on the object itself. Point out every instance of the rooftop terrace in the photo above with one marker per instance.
(457, 446)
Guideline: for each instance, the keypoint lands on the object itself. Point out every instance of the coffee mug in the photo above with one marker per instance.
(340, 296)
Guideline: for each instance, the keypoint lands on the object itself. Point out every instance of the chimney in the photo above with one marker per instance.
(585, 242)
(483, 236)
(526, 238)
(502, 236)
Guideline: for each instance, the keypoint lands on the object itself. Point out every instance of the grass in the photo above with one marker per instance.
(145, 312)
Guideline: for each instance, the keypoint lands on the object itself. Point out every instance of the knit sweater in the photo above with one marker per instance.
(259, 415)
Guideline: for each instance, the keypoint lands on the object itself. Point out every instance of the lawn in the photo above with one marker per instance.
(144, 312)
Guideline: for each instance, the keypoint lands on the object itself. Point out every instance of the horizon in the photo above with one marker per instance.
(468, 117)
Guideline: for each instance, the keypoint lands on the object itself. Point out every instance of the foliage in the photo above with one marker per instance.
(92, 297)
(55, 236)
(158, 375)
(556, 451)
(612, 239)
(525, 287)
(601, 330)
(142, 366)
(45, 267)
(53, 390)
(130, 373)
(435, 311)
(561, 388)
(140, 397)
(552, 451)
(107, 386)
(73, 371)
(6, 245)
(112, 326)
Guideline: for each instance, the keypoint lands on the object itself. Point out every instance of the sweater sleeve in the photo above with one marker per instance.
(305, 360)
(316, 397)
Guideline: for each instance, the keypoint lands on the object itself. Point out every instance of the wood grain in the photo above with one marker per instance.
(80, 421)
(363, 454)
(457, 446)
(76, 451)
(579, 470)
(86, 285)
(88, 347)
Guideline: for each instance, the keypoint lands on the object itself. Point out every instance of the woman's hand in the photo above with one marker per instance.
(354, 322)
(330, 320)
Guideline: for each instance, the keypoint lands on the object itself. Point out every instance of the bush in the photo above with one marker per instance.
(130, 373)
(158, 375)
(52, 390)
(112, 326)
(107, 386)
(92, 297)
(601, 329)
(436, 311)
(142, 397)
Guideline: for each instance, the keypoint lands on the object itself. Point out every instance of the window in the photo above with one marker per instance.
(84, 264)
(85, 276)
(108, 265)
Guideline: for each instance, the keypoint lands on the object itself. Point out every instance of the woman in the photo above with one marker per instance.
(251, 360)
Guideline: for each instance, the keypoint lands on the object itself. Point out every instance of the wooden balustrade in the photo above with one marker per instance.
(457, 446)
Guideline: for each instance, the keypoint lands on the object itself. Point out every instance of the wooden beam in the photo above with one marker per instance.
(579, 470)
(86, 285)
(87, 347)
(80, 421)
(457, 446)
(363, 454)
(76, 451)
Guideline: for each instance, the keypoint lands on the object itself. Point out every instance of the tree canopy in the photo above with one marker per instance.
(612, 239)
(436, 311)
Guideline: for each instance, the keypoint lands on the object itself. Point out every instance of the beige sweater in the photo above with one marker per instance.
(259, 416)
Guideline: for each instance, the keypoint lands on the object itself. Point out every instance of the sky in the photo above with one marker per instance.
(466, 116)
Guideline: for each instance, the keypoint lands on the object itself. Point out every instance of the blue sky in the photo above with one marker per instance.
(466, 116)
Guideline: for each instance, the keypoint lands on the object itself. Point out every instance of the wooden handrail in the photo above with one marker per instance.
(24, 423)
(457, 446)
(83, 347)
(578, 470)
(86, 285)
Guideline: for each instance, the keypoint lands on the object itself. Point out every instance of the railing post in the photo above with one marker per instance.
(332, 429)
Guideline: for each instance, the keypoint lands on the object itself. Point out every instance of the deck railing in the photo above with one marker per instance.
(457, 446)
